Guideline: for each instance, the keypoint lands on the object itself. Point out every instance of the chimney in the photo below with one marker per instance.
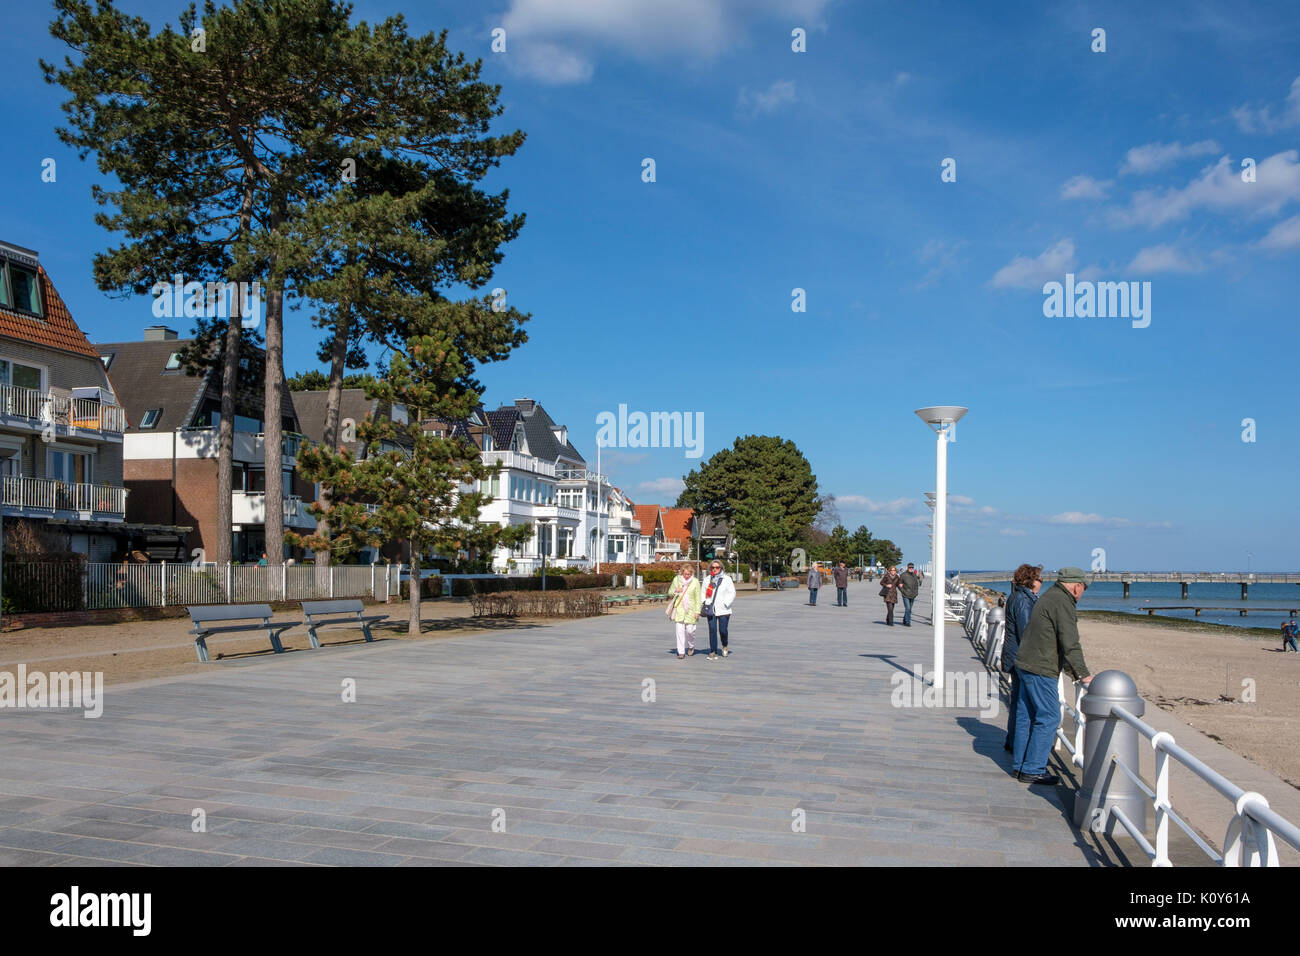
(159, 333)
(525, 405)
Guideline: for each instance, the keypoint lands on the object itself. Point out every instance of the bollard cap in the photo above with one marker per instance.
(997, 615)
(1113, 687)
(981, 603)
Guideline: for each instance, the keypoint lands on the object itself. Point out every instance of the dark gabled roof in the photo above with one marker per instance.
(502, 423)
(310, 407)
(713, 527)
(539, 431)
(141, 380)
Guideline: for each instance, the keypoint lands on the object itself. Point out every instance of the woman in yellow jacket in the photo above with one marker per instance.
(684, 608)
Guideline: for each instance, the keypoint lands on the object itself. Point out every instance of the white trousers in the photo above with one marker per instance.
(685, 636)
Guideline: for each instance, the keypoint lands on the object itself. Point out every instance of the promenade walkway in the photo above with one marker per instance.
(544, 731)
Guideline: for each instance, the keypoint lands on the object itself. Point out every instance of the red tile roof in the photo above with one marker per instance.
(56, 331)
(677, 526)
(648, 516)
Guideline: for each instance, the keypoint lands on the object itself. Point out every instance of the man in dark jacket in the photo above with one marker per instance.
(1049, 645)
(841, 575)
(909, 585)
(1025, 585)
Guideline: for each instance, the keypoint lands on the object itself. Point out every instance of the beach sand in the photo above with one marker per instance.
(1192, 673)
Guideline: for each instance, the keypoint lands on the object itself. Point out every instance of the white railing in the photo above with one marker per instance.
(175, 584)
(249, 507)
(48, 494)
(55, 408)
(512, 459)
(1249, 839)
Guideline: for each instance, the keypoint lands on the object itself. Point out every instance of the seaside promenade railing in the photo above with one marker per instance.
(1252, 824)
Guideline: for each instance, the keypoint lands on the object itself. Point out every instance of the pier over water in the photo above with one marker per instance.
(1242, 578)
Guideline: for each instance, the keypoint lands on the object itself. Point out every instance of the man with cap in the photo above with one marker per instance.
(1048, 646)
(1289, 633)
(909, 585)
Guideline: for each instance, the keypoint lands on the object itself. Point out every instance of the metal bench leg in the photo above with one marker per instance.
(275, 641)
(311, 634)
(201, 646)
(365, 629)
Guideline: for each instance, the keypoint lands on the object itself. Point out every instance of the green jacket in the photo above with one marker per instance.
(1050, 643)
(686, 608)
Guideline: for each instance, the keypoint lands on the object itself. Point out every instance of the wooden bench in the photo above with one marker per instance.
(204, 616)
(316, 611)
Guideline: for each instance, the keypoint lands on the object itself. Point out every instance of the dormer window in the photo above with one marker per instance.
(173, 362)
(20, 288)
(150, 418)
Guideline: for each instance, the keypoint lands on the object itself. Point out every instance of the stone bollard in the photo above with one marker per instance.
(1104, 736)
(997, 621)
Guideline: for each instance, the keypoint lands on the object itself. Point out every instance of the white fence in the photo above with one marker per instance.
(168, 584)
(1252, 825)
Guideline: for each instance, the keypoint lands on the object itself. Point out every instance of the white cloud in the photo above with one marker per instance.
(1284, 235)
(1155, 156)
(1025, 273)
(1078, 517)
(960, 500)
(765, 101)
(1013, 532)
(1262, 120)
(1085, 187)
(1163, 258)
(664, 487)
(941, 256)
(862, 503)
(558, 41)
(1220, 188)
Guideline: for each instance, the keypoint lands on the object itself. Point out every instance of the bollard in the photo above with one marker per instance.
(992, 648)
(1104, 786)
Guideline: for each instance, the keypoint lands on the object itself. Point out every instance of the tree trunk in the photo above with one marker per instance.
(333, 403)
(229, 386)
(413, 626)
(273, 429)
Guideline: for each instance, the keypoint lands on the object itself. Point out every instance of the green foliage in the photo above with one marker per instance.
(759, 470)
(653, 574)
(315, 380)
(762, 532)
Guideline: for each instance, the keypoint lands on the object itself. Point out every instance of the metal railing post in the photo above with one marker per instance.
(1162, 804)
(164, 584)
(1108, 740)
(229, 580)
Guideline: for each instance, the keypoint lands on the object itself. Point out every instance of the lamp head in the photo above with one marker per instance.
(936, 416)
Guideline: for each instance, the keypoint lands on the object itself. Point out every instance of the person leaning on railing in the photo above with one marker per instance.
(1049, 645)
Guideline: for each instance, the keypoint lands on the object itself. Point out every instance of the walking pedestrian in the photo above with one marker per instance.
(841, 575)
(719, 594)
(684, 609)
(1050, 645)
(814, 582)
(1025, 585)
(909, 586)
(1289, 632)
(889, 591)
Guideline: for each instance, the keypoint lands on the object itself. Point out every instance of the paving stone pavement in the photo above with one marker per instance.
(544, 731)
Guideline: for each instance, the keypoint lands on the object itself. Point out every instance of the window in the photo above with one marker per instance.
(487, 441)
(150, 418)
(22, 376)
(173, 362)
(19, 288)
(71, 467)
(108, 360)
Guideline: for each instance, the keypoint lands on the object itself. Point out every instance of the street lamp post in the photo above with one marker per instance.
(941, 418)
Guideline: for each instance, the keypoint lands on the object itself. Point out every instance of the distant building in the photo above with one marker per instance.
(171, 444)
(61, 427)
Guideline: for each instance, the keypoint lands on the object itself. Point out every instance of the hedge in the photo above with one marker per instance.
(464, 587)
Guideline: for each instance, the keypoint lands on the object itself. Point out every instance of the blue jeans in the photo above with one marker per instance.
(842, 597)
(1038, 714)
(812, 596)
(717, 624)
(907, 610)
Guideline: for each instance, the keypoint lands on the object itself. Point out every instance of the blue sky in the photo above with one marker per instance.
(820, 170)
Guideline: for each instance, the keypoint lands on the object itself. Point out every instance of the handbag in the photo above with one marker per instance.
(884, 592)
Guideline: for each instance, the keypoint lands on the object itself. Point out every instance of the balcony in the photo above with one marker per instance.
(249, 507)
(69, 413)
(518, 462)
(45, 497)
